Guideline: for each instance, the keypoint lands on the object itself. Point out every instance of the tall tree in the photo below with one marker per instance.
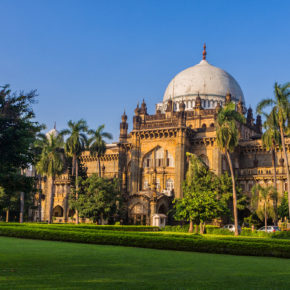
(18, 131)
(51, 162)
(98, 198)
(201, 200)
(281, 109)
(262, 201)
(227, 140)
(74, 146)
(97, 144)
(271, 139)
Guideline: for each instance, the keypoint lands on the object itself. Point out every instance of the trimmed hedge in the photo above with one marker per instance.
(182, 229)
(215, 230)
(281, 235)
(88, 226)
(236, 246)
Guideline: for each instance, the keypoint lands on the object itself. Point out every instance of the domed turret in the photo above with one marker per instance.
(212, 84)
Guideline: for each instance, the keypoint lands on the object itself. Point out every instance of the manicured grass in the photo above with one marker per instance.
(27, 264)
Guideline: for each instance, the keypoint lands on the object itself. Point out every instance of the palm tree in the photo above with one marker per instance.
(281, 108)
(227, 140)
(74, 146)
(97, 144)
(264, 195)
(51, 162)
(271, 139)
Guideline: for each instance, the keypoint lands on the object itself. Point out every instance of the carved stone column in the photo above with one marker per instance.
(179, 162)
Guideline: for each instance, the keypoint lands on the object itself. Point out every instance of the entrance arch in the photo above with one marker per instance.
(57, 211)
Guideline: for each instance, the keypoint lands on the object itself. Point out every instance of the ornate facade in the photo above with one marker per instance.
(151, 162)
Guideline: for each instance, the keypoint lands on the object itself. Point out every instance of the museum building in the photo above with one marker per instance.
(151, 160)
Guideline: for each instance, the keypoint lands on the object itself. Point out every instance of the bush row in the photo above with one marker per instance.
(281, 235)
(215, 230)
(89, 226)
(155, 241)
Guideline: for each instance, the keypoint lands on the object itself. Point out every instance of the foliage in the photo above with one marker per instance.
(262, 201)
(253, 219)
(202, 199)
(281, 235)
(271, 136)
(52, 160)
(283, 210)
(17, 134)
(227, 131)
(236, 246)
(18, 130)
(280, 110)
(97, 145)
(98, 199)
(77, 141)
(227, 134)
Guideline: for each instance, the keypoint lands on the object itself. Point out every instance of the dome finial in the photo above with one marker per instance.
(204, 52)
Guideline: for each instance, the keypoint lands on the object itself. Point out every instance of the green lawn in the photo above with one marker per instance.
(47, 264)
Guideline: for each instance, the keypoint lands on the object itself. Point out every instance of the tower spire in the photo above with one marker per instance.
(204, 52)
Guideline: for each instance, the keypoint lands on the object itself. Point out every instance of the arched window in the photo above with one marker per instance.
(148, 160)
(212, 125)
(203, 127)
(145, 184)
(159, 156)
(170, 160)
(169, 184)
(157, 183)
(57, 211)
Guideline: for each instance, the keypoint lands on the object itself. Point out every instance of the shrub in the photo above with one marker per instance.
(88, 226)
(255, 233)
(218, 231)
(281, 235)
(225, 245)
(183, 229)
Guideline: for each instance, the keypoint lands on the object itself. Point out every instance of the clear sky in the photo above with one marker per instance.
(93, 59)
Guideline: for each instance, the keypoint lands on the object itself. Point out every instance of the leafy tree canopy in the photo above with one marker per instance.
(98, 198)
(204, 197)
(17, 130)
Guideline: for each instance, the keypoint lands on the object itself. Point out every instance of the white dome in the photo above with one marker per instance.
(52, 132)
(203, 79)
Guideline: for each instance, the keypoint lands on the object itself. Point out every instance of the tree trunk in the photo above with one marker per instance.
(39, 201)
(51, 201)
(201, 228)
(7, 215)
(234, 193)
(265, 216)
(73, 165)
(21, 207)
(275, 185)
(77, 190)
(190, 230)
(287, 166)
(196, 229)
(99, 161)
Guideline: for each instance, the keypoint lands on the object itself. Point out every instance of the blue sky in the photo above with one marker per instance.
(93, 59)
